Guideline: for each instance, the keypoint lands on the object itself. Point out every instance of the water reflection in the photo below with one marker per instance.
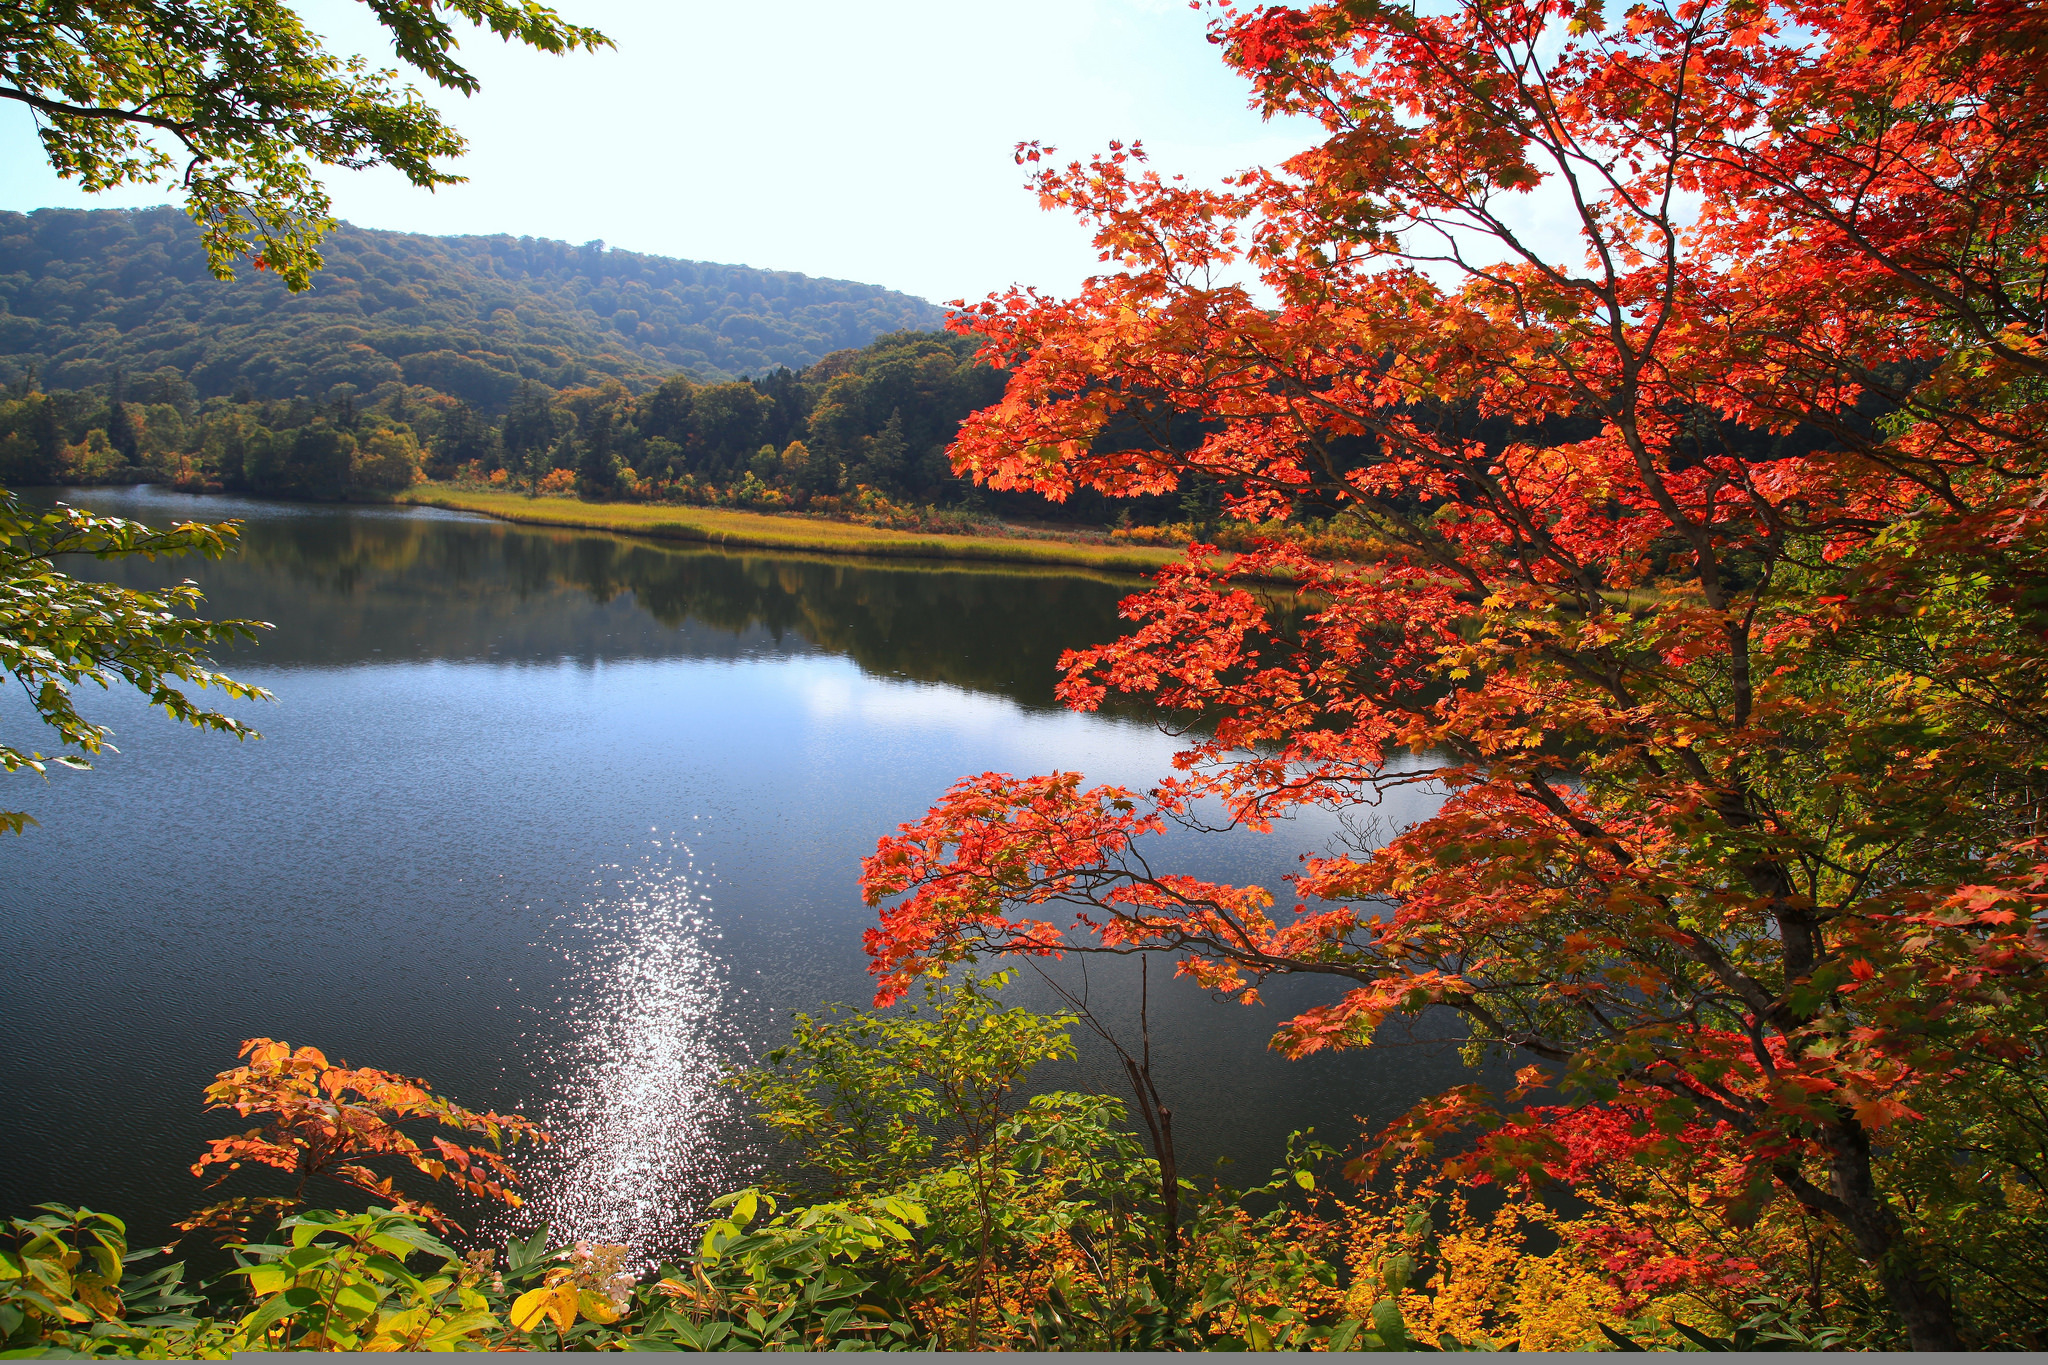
(472, 717)
(347, 584)
(639, 1033)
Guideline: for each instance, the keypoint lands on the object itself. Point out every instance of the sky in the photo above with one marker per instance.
(868, 142)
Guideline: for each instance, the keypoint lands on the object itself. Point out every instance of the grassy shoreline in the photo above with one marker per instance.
(766, 531)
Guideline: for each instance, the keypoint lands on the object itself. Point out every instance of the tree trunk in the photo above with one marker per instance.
(1915, 1295)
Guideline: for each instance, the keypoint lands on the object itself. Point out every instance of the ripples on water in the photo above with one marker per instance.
(641, 1030)
(406, 871)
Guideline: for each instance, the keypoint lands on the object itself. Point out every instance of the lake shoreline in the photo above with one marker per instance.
(725, 528)
(731, 529)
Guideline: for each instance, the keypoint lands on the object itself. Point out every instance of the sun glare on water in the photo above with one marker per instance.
(637, 1039)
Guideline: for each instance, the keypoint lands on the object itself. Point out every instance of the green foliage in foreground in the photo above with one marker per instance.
(57, 631)
(969, 1219)
(926, 1204)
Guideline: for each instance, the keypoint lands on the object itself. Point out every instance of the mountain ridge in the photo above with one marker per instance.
(86, 292)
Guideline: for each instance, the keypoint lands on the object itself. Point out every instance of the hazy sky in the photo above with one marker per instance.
(868, 142)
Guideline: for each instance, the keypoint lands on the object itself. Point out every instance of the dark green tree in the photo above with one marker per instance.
(597, 467)
(464, 437)
(566, 453)
(788, 406)
(169, 386)
(882, 455)
(49, 436)
(668, 411)
(1201, 503)
(728, 419)
(319, 460)
(529, 426)
(342, 403)
(121, 433)
(821, 473)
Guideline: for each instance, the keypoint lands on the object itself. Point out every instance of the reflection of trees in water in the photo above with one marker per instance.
(985, 631)
(347, 587)
(988, 631)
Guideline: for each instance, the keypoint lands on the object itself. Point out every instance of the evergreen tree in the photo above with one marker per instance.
(464, 436)
(882, 455)
(1201, 503)
(121, 433)
(319, 460)
(529, 425)
(565, 454)
(598, 469)
(661, 458)
(666, 413)
(821, 473)
(787, 408)
(49, 437)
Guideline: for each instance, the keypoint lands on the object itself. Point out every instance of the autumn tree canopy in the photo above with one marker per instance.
(1707, 588)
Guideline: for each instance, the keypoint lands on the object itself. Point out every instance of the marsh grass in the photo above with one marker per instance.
(770, 531)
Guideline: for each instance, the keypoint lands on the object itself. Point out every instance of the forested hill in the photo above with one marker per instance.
(83, 294)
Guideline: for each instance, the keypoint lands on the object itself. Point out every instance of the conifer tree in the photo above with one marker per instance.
(121, 433)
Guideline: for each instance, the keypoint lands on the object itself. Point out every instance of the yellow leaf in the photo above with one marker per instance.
(265, 1280)
(536, 1304)
(101, 1300)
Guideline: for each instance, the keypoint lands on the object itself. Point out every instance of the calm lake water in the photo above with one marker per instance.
(565, 823)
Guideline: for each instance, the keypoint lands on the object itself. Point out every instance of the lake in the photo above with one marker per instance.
(564, 823)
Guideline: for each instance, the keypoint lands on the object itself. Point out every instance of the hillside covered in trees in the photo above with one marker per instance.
(867, 426)
(490, 361)
(84, 294)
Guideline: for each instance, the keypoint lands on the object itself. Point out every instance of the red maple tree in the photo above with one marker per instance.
(326, 1120)
(1709, 575)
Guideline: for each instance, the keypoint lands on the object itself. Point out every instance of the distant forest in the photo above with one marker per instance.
(85, 293)
(879, 416)
(493, 361)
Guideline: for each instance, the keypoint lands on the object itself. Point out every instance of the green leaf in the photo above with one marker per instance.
(276, 1310)
(1621, 1343)
(409, 1235)
(1386, 1321)
(1697, 1337)
(357, 1301)
(521, 1257)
